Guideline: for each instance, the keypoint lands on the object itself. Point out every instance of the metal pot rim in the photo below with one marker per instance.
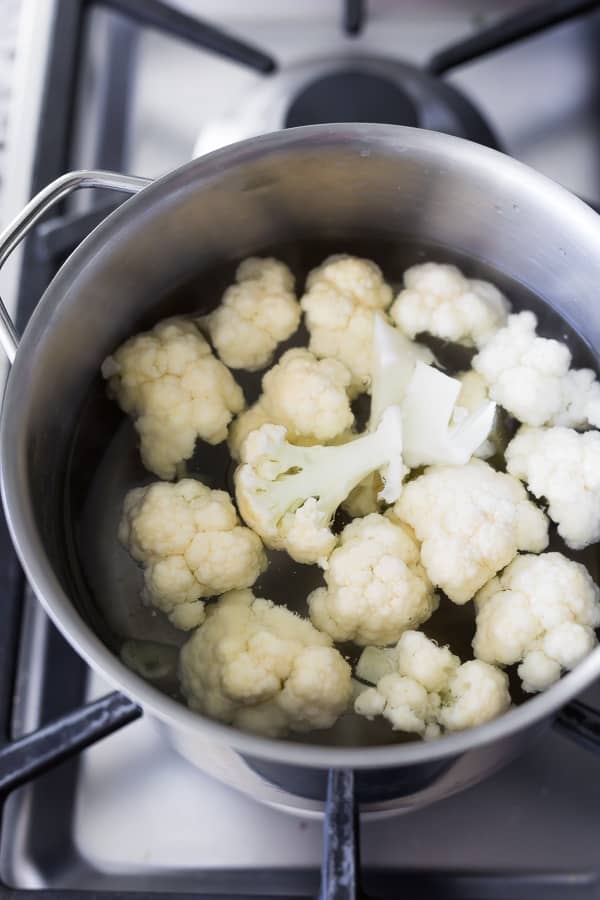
(17, 501)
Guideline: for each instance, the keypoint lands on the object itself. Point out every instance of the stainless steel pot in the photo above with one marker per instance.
(349, 185)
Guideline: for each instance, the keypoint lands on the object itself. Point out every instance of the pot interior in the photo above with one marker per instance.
(103, 464)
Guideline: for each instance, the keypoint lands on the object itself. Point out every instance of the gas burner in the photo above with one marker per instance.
(363, 89)
(352, 97)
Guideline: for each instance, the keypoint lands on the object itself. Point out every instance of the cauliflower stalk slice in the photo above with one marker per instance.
(540, 612)
(424, 689)
(473, 394)
(376, 587)
(191, 545)
(427, 410)
(264, 669)
(289, 494)
(394, 358)
(428, 399)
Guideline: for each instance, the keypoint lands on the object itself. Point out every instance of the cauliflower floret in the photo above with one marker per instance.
(530, 377)
(264, 669)
(563, 466)
(524, 372)
(308, 396)
(438, 299)
(472, 521)
(191, 545)
(423, 688)
(541, 611)
(176, 391)
(376, 588)
(289, 494)
(255, 314)
(342, 296)
(580, 400)
(477, 693)
(249, 420)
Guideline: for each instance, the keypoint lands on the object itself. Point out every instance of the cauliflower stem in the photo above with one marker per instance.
(289, 494)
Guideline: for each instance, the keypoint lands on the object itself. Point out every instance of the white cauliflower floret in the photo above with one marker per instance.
(289, 494)
(422, 688)
(376, 588)
(264, 669)
(477, 693)
(308, 396)
(190, 543)
(249, 420)
(524, 372)
(580, 400)
(341, 299)
(541, 611)
(472, 521)
(176, 391)
(530, 377)
(563, 466)
(255, 314)
(438, 299)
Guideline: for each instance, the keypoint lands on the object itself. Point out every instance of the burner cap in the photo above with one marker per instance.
(351, 97)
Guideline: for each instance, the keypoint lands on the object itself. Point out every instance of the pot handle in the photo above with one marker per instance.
(21, 226)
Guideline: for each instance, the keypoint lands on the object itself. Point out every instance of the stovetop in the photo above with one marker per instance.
(134, 812)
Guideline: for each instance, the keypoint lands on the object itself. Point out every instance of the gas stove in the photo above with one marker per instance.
(139, 87)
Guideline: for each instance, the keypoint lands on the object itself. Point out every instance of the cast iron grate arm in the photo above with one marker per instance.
(355, 14)
(172, 21)
(28, 756)
(514, 28)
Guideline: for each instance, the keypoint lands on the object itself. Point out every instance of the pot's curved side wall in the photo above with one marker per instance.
(327, 180)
